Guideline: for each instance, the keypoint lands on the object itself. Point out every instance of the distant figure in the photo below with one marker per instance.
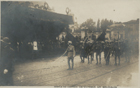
(35, 50)
(107, 53)
(117, 53)
(71, 54)
(83, 54)
(98, 52)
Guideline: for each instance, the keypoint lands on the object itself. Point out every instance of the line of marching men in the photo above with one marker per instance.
(112, 48)
(109, 48)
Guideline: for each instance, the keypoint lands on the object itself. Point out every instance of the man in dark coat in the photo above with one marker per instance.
(117, 51)
(83, 54)
(98, 52)
(107, 53)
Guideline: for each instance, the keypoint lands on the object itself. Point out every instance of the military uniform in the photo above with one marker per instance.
(70, 53)
(107, 54)
(98, 52)
(117, 51)
(90, 52)
(83, 54)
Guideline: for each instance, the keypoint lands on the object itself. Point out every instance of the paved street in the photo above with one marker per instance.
(53, 72)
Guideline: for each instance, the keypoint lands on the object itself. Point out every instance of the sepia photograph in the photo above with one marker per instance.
(70, 43)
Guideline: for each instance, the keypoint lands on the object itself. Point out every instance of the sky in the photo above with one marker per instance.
(116, 10)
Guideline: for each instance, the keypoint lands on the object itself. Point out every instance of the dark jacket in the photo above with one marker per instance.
(117, 50)
(98, 48)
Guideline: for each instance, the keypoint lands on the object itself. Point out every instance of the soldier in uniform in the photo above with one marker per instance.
(92, 52)
(71, 54)
(89, 52)
(105, 45)
(98, 52)
(83, 54)
(107, 53)
(117, 51)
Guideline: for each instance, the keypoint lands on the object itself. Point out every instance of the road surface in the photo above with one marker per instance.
(53, 72)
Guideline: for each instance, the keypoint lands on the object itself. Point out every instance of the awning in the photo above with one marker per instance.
(45, 15)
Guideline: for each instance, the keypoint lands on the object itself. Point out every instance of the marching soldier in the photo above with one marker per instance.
(98, 52)
(117, 51)
(105, 45)
(71, 54)
(83, 54)
(107, 53)
(90, 52)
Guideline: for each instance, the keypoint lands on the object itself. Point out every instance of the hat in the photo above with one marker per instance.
(69, 42)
